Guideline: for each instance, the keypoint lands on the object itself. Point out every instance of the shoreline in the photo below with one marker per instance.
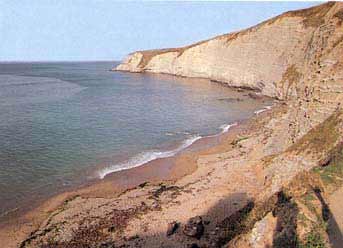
(160, 170)
(215, 183)
(252, 93)
(20, 210)
(152, 155)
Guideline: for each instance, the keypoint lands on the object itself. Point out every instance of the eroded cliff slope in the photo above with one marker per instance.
(270, 57)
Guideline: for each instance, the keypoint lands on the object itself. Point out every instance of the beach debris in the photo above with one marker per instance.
(156, 206)
(193, 245)
(106, 245)
(143, 206)
(231, 99)
(255, 96)
(134, 237)
(142, 185)
(164, 188)
(172, 227)
(111, 229)
(207, 222)
(194, 227)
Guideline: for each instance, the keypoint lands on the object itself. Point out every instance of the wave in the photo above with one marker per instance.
(226, 128)
(16, 80)
(9, 212)
(16, 90)
(146, 157)
(265, 108)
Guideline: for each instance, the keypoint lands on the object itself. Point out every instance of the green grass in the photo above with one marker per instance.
(309, 197)
(313, 240)
(332, 173)
(339, 15)
(236, 141)
(320, 138)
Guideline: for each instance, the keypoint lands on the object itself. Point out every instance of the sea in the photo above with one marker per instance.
(63, 124)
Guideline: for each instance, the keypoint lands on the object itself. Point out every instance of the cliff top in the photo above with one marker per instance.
(312, 17)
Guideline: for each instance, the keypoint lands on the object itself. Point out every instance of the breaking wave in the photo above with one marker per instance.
(148, 156)
(262, 110)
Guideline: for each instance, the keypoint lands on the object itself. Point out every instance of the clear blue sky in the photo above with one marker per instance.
(108, 30)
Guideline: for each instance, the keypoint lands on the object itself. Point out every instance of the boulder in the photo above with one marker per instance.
(172, 227)
(194, 227)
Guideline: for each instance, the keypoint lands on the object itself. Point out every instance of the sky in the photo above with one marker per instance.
(78, 30)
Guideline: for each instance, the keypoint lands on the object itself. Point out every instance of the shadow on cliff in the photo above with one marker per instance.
(286, 212)
(223, 224)
(236, 215)
(227, 222)
(333, 230)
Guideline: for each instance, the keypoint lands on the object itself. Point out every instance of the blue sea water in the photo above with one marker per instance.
(62, 124)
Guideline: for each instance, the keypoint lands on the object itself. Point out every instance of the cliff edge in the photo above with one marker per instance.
(270, 57)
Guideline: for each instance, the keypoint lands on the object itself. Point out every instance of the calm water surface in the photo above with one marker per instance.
(62, 124)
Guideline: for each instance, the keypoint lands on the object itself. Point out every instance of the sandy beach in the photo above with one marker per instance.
(249, 164)
(166, 171)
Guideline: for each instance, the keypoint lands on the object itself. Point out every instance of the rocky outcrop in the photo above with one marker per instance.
(269, 57)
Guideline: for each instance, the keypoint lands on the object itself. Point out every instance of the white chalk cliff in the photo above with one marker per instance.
(269, 57)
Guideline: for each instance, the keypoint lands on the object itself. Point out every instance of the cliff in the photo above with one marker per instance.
(271, 57)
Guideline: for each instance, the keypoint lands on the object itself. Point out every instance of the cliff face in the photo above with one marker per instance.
(271, 57)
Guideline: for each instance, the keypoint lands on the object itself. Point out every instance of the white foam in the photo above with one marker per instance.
(265, 108)
(226, 128)
(146, 157)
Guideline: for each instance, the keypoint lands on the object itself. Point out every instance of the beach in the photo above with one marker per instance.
(166, 171)
(166, 165)
(247, 165)
(65, 125)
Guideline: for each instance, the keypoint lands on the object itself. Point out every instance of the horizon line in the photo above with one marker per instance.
(54, 61)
